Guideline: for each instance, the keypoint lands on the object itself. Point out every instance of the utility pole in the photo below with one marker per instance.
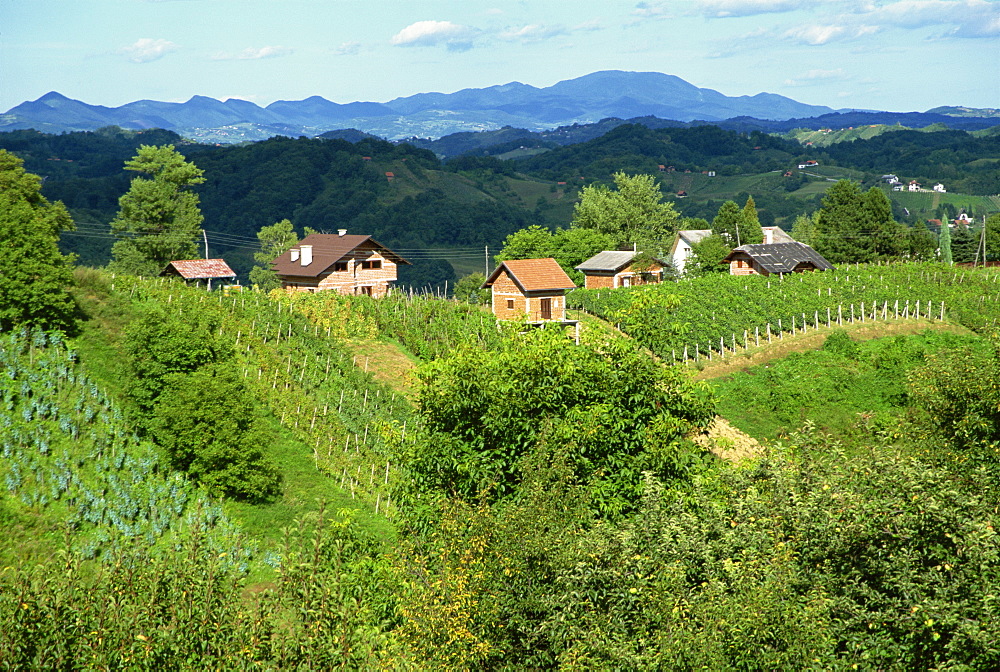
(205, 236)
(487, 261)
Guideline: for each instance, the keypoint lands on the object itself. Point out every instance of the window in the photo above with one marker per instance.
(372, 263)
(340, 266)
(510, 304)
(366, 290)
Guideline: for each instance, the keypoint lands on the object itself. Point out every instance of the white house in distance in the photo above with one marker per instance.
(913, 186)
(808, 164)
(680, 251)
(940, 188)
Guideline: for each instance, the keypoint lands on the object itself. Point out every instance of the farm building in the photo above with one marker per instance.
(610, 269)
(529, 288)
(200, 271)
(685, 240)
(347, 264)
(775, 259)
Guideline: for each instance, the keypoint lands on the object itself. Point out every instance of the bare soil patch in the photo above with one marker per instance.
(388, 363)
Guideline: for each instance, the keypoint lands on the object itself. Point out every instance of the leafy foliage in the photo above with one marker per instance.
(633, 213)
(158, 220)
(615, 411)
(35, 275)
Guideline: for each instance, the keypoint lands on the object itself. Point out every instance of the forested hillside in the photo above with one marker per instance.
(443, 215)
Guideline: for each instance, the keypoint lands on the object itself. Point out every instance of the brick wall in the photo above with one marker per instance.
(508, 301)
(353, 280)
(599, 281)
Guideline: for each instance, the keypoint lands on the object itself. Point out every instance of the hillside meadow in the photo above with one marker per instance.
(483, 498)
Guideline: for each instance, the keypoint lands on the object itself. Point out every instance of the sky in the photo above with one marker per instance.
(898, 55)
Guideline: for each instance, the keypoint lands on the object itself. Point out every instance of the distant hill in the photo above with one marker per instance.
(583, 100)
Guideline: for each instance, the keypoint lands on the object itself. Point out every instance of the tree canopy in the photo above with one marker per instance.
(158, 220)
(569, 247)
(634, 212)
(35, 274)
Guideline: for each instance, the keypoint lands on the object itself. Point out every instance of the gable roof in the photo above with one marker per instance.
(782, 257)
(328, 248)
(199, 269)
(533, 275)
(778, 235)
(611, 261)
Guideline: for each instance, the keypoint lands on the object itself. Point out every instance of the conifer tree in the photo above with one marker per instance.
(158, 220)
(750, 231)
(944, 243)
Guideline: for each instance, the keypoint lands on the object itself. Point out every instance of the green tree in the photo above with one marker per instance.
(34, 274)
(274, 240)
(727, 223)
(533, 242)
(609, 408)
(750, 231)
(158, 220)
(963, 244)
(804, 228)
(840, 234)
(888, 238)
(993, 236)
(634, 212)
(207, 423)
(944, 242)
(570, 247)
(707, 257)
(469, 289)
(919, 243)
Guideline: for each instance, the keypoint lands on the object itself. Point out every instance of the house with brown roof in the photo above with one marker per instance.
(613, 269)
(775, 259)
(532, 289)
(346, 264)
(200, 271)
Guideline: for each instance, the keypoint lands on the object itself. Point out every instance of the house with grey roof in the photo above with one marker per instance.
(612, 269)
(775, 259)
(684, 242)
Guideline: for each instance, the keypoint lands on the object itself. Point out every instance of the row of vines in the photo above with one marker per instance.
(70, 457)
(723, 312)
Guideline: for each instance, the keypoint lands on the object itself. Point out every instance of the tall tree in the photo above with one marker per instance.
(158, 220)
(727, 223)
(634, 212)
(944, 242)
(34, 275)
(840, 232)
(707, 257)
(993, 236)
(804, 228)
(750, 231)
(888, 238)
(274, 240)
(963, 244)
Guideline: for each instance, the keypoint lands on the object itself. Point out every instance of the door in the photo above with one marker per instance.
(546, 306)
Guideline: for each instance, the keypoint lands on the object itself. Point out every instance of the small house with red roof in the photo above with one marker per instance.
(347, 264)
(532, 289)
(200, 271)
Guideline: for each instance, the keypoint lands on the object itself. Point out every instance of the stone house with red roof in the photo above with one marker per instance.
(532, 289)
(200, 271)
(346, 264)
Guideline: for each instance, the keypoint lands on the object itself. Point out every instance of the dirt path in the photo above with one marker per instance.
(387, 362)
(811, 340)
(727, 442)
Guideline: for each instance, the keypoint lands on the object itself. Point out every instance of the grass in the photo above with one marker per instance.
(845, 393)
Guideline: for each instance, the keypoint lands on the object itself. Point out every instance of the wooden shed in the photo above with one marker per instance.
(200, 271)
(775, 259)
(612, 269)
(529, 288)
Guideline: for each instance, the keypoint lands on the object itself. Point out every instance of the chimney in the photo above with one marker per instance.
(295, 253)
(307, 254)
(341, 232)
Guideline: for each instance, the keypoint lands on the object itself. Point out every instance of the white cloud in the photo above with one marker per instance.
(816, 35)
(432, 33)
(348, 49)
(253, 54)
(968, 18)
(146, 49)
(729, 8)
(816, 76)
(657, 9)
(532, 33)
